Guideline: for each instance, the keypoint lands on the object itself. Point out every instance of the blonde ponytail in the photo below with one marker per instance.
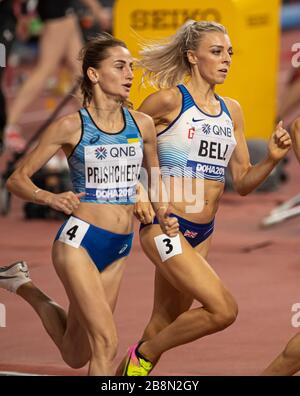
(165, 61)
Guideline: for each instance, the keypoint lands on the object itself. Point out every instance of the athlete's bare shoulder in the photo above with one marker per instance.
(236, 113)
(232, 104)
(142, 119)
(69, 123)
(65, 129)
(139, 115)
(161, 102)
(166, 96)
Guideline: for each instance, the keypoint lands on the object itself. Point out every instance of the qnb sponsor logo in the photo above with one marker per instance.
(115, 152)
(216, 130)
(101, 153)
(121, 152)
(2, 55)
(221, 131)
(2, 315)
(296, 317)
(206, 129)
(296, 56)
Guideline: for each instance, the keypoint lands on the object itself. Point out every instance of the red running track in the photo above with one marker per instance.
(260, 267)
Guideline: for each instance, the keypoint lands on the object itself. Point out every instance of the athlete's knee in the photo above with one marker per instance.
(226, 312)
(104, 345)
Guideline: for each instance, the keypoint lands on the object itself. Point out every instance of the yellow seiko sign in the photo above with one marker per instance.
(253, 27)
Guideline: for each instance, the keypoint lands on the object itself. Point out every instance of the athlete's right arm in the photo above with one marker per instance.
(143, 209)
(157, 106)
(59, 135)
(295, 134)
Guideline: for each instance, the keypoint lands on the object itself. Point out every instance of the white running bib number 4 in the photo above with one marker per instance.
(73, 232)
(167, 247)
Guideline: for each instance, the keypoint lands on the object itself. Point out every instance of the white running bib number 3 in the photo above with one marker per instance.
(74, 232)
(167, 247)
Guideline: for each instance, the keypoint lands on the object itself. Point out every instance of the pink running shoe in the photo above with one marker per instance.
(136, 365)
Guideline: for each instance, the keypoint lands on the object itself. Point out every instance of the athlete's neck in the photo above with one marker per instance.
(105, 108)
(201, 94)
(201, 90)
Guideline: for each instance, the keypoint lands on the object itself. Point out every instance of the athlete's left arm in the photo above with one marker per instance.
(247, 177)
(155, 186)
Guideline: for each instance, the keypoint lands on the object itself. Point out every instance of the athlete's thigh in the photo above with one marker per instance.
(168, 300)
(83, 286)
(188, 271)
(111, 280)
(203, 247)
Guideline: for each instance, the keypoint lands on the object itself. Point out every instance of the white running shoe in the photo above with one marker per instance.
(14, 275)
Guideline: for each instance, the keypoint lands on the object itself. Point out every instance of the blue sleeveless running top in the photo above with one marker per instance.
(197, 144)
(106, 166)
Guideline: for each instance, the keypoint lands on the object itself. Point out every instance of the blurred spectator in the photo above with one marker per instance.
(8, 23)
(87, 19)
(291, 97)
(290, 20)
(290, 1)
(60, 39)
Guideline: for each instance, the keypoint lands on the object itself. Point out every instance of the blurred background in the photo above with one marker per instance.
(260, 264)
